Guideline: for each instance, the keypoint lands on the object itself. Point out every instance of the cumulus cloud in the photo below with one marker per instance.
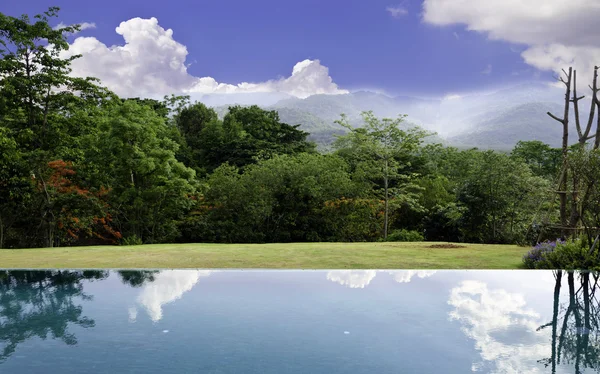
(152, 63)
(352, 278)
(489, 317)
(168, 286)
(362, 278)
(396, 11)
(558, 33)
(405, 276)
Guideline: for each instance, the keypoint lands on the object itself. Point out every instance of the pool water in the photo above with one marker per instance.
(371, 321)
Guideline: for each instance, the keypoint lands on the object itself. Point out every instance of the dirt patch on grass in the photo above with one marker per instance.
(446, 246)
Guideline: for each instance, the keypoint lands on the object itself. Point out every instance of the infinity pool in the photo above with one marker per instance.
(204, 321)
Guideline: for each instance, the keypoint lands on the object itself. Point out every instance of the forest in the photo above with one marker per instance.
(81, 166)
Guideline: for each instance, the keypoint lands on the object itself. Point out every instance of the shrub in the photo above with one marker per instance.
(570, 255)
(538, 253)
(131, 240)
(405, 236)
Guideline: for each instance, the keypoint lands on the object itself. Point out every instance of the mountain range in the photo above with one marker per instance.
(492, 120)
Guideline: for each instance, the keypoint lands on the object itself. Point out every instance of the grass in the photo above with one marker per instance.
(271, 256)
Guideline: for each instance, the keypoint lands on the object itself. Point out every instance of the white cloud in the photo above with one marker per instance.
(487, 70)
(456, 35)
(558, 32)
(168, 286)
(82, 26)
(488, 317)
(352, 278)
(405, 276)
(452, 97)
(396, 11)
(151, 63)
(362, 278)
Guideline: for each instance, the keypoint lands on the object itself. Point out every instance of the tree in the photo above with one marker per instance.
(15, 187)
(134, 155)
(35, 81)
(574, 336)
(42, 304)
(543, 160)
(44, 111)
(281, 199)
(501, 196)
(569, 223)
(376, 151)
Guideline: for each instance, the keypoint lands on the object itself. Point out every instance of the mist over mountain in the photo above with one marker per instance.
(497, 119)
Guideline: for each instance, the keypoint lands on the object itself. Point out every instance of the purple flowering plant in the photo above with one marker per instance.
(537, 252)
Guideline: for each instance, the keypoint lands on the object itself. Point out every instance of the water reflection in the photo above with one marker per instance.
(41, 304)
(352, 278)
(362, 278)
(492, 317)
(496, 322)
(513, 338)
(161, 288)
(574, 326)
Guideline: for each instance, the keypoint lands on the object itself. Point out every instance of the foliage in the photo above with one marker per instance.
(543, 160)
(501, 197)
(538, 253)
(246, 135)
(81, 166)
(150, 188)
(405, 236)
(132, 240)
(568, 255)
(277, 200)
(380, 152)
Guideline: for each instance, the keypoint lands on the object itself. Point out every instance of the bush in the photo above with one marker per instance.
(405, 236)
(538, 253)
(570, 255)
(131, 240)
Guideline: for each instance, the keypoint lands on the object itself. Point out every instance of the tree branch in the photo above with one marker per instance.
(556, 118)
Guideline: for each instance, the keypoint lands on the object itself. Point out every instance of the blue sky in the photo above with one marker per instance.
(362, 43)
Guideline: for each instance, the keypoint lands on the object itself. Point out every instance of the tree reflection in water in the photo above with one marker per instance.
(137, 278)
(575, 323)
(41, 304)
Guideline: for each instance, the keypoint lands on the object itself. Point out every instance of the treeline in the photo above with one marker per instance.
(81, 166)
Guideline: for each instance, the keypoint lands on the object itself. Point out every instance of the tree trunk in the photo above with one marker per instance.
(386, 199)
(575, 308)
(1, 232)
(555, 316)
(562, 189)
(586, 315)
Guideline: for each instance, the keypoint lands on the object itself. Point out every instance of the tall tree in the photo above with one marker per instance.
(377, 150)
(150, 189)
(45, 110)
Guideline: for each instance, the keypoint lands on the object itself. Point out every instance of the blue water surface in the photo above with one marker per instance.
(367, 321)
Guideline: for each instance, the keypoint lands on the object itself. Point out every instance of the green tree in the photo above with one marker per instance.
(379, 152)
(543, 160)
(501, 197)
(150, 189)
(46, 112)
(275, 200)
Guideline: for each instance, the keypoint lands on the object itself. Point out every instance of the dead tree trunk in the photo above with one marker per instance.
(578, 207)
(562, 188)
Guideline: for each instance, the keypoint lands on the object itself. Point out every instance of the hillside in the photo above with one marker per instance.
(490, 120)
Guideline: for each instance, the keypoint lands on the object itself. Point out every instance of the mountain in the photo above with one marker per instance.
(497, 119)
(523, 122)
(226, 99)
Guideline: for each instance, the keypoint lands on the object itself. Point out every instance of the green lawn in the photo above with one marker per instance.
(271, 256)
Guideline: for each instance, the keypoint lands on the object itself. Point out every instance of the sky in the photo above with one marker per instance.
(431, 48)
